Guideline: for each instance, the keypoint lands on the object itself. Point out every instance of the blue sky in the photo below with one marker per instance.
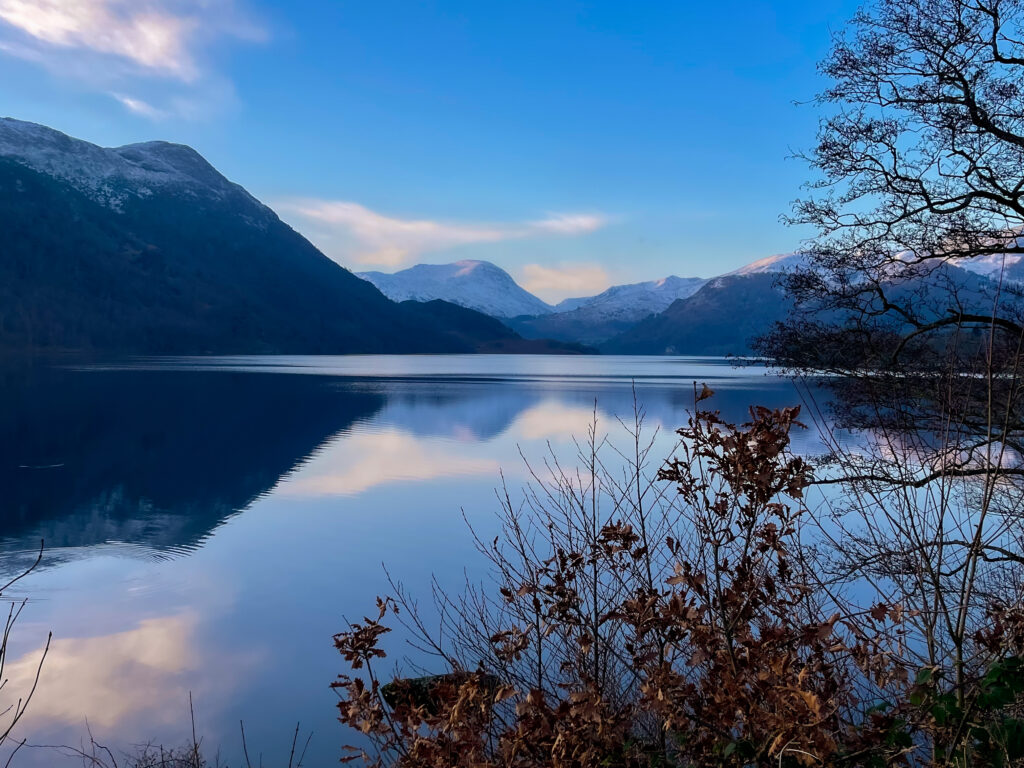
(576, 144)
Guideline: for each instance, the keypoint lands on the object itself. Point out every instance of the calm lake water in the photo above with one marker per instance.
(210, 523)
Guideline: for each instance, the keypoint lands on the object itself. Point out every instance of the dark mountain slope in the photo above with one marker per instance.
(728, 313)
(579, 325)
(478, 332)
(147, 249)
(720, 319)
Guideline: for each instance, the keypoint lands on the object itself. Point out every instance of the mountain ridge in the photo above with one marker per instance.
(470, 283)
(595, 319)
(718, 319)
(485, 287)
(148, 249)
(110, 175)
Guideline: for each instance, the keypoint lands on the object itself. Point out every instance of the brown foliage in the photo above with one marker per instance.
(710, 645)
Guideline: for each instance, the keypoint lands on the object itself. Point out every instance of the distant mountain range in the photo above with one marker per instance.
(595, 319)
(673, 315)
(487, 288)
(719, 319)
(636, 300)
(148, 249)
(694, 316)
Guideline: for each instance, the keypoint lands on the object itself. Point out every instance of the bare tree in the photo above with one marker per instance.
(910, 295)
(920, 169)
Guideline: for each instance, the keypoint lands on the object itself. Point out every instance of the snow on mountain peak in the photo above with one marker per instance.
(468, 266)
(781, 262)
(111, 176)
(474, 284)
(990, 265)
(633, 301)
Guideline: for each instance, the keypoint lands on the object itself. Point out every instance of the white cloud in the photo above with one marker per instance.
(145, 33)
(109, 677)
(570, 223)
(562, 280)
(386, 240)
(350, 232)
(118, 46)
(140, 107)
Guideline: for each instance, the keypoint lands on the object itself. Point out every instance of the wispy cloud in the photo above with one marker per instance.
(564, 280)
(120, 46)
(352, 233)
(146, 34)
(570, 223)
(139, 107)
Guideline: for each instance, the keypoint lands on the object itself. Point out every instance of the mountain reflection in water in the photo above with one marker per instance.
(157, 460)
(210, 523)
(158, 457)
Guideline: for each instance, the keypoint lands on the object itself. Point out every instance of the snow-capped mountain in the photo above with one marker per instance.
(780, 262)
(594, 319)
(998, 266)
(718, 317)
(113, 176)
(477, 285)
(633, 301)
(1009, 266)
(485, 287)
(992, 265)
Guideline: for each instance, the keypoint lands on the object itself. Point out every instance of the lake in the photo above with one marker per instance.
(210, 523)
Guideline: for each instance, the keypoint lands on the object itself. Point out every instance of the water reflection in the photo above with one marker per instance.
(364, 460)
(155, 460)
(109, 678)
(337, 465)
(155, 455)
(127, 686)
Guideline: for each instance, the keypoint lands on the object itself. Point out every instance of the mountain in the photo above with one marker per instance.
(729, 312)
(1008, 265)
(481, 332)
(781, 262)
(595, 319)
(719, 319)
(477, 285)
(636, 300)
(148, 249)
(487, 288)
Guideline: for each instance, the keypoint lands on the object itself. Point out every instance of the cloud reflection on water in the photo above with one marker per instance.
(366, 459)
(286, 493)
(108, 679)
(157, 456)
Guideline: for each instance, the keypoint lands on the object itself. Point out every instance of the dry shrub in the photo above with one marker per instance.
(668, 618)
